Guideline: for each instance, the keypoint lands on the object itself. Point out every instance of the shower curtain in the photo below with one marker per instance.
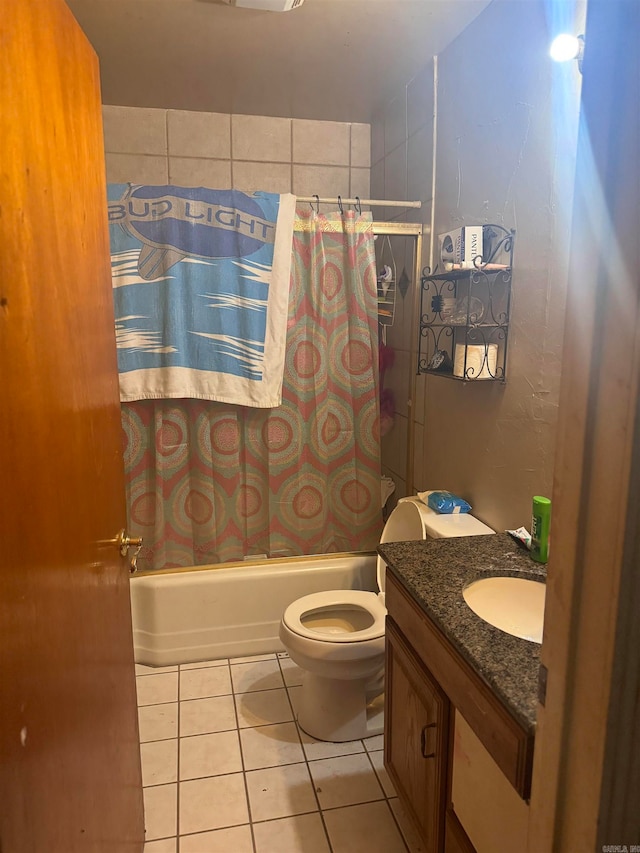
(210, 482)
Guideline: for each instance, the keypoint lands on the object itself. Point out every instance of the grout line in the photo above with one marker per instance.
(244, 770)
(178, 772)
(306, 760)
(400, 832)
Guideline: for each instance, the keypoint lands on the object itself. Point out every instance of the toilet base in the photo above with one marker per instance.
(335, 710)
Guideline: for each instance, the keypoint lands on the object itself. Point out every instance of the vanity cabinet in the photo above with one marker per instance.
(428, 686)
(416, 738)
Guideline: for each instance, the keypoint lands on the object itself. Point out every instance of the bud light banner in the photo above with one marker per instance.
(201, 290)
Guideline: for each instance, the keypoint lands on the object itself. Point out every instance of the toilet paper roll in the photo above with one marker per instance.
(481, 361)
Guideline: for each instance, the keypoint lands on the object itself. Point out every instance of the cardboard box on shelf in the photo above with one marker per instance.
(461, 246)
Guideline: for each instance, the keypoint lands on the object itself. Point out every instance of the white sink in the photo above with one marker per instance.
(514, 605)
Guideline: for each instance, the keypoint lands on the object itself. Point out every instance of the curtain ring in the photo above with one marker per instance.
(340, 205)
(317, 207)
(358, 205)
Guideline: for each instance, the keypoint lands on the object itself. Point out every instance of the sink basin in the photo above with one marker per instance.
(514, 605)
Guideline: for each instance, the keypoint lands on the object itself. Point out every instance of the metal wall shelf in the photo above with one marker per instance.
(465, 314)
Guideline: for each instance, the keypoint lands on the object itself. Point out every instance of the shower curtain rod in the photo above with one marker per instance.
(369, 202)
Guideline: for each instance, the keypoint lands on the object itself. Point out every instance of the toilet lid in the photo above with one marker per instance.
(412, 520)
(406, 523)
(335, 599)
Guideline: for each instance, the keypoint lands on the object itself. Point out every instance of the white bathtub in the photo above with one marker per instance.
(204, 613)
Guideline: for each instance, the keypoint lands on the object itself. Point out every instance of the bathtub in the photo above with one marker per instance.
(209, 612)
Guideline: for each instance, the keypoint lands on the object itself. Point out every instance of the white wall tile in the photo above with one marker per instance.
(137, 168)
(134, 130)
(360, 183)
(321, 142)
(195, 172)
(327, 181)
(361, 145)
(261, 138)
(269, 177)
(197, 134)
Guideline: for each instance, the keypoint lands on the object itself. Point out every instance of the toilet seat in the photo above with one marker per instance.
(336, 599)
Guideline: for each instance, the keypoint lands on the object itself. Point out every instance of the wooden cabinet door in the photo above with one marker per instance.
(70, 761)
(416, 738)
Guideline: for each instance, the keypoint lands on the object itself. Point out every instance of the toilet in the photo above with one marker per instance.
(337, 637)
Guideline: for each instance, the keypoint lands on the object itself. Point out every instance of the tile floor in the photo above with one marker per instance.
(226, 769)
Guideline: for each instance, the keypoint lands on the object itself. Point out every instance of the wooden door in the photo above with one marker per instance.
(416, 739)
(70, 767)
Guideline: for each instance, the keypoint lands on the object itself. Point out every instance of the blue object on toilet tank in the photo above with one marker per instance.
(447, 503)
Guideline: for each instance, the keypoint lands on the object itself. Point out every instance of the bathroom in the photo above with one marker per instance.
(495, 444)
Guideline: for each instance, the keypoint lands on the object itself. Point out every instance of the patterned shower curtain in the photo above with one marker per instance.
(210, 482)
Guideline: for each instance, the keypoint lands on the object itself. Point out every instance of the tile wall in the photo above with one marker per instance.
(245, 152)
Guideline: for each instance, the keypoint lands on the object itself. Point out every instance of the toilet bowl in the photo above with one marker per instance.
(337, 637)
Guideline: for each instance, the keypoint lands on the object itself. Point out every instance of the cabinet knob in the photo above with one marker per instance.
(423, 741)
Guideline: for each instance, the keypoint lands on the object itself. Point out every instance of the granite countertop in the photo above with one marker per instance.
(434, 572)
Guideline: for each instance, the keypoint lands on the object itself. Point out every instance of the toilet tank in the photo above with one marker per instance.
(413, 520)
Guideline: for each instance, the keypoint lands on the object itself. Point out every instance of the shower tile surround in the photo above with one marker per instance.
(245, 152)
(226, 768)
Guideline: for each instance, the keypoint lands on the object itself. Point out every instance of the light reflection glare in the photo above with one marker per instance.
(564, 47)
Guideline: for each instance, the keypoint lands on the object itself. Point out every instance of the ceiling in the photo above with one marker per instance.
(335, 60)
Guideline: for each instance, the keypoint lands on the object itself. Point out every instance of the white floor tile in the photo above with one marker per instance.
(269, 746)
(345, 781)
(291, 672)
(294, 696)
(407, 828)
(262, 675)
(157, 689)
(373, 744)
(159, 762)
(158, 722)
(235, 839)
(199, 683)
(165, 845)
(160, 811)
(212, 803)
(280, 792)
(202, 716)
(209, 755)
(253, 658)
(377, 759)
(263, 708)
(315, 749)
(204, 663)
(368, 828)
(300, 834)
(142, 669)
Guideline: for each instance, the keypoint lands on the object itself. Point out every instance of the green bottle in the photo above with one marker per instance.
(540, 523)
